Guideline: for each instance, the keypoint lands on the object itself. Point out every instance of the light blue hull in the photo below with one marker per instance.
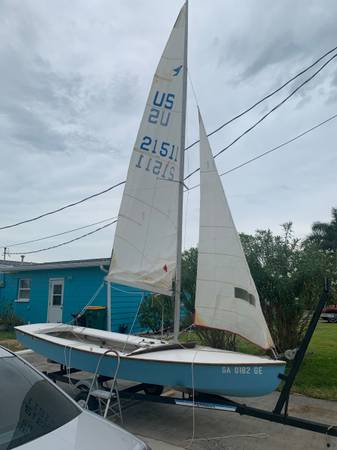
(232, 380)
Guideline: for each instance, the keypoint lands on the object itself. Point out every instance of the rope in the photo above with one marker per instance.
(126, 292)
(77, 334)
(193, 399)
(133, 323)
(196, 102)
(68, 363)
(93, 298)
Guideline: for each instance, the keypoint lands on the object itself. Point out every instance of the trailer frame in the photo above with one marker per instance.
(215, 402)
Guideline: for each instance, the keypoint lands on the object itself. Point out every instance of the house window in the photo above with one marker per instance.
(24, 290)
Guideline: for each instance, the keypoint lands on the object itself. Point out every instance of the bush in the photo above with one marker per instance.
(155, 310)
(8, 318)
(216, 338)
(189, 263)
(289, 277)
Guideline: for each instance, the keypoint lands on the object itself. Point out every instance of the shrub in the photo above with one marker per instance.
(9, 318)
(155, 310)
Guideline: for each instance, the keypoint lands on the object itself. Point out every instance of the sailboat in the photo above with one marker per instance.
(147, 255)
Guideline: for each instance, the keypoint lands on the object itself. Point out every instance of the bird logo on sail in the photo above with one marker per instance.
(177, 70)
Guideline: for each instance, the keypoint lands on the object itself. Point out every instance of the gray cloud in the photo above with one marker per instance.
(74, 79)
(278, 37)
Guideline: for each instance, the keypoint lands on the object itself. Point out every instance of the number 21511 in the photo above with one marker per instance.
(164, 149)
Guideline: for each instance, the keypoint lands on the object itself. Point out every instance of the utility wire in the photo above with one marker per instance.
(255, 124)
(64, 207)
(278, 147)
(242, 113)
(191, 188)
(65, 243)
(58, 234)
(213, 132)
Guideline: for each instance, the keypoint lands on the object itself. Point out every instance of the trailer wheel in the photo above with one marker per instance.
(81, 399)
(153, 389)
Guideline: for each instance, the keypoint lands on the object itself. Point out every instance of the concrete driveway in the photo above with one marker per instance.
(222, 430)
(167, 427)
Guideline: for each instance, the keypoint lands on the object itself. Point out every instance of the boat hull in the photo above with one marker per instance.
(243, 380)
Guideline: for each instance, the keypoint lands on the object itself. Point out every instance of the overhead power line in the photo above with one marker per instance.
(250, 108)
(278, 105)
(278, 147)
(58, 234)
(289, 141)
(190, 146)
(65, 243)
(64, 207)
(255, 124)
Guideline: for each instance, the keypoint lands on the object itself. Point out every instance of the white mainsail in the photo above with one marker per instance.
(226, 296)
(145, 246)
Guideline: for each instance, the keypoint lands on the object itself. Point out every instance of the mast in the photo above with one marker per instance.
(181, 191)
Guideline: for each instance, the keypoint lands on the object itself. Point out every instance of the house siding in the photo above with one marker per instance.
(80, 284)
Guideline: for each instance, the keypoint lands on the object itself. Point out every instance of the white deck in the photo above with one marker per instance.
(197, 355)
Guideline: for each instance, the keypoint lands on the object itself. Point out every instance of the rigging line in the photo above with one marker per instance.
(134, 321)
(283, 144)
(248, 130)
(196, 103)
(67, 242)
(265, 97)
(189, 175)
(59, 234)
(63, 207)
(278, 147)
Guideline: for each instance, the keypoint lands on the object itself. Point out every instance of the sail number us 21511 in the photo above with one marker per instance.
(167, 153)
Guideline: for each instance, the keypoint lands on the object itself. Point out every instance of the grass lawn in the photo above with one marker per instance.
(7, 339)
(318, 374)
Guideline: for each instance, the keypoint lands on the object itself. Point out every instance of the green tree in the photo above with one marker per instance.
(323, 234)
(289, 278)
(156, 311)
(189, 263)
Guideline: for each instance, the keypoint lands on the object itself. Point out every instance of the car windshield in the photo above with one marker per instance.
(30, 406)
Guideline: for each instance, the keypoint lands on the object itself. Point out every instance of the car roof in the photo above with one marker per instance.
(4, 353)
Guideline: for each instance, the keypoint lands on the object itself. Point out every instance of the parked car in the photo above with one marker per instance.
(330, 313)
(36, 414)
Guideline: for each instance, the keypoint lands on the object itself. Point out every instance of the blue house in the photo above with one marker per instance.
(56, 291)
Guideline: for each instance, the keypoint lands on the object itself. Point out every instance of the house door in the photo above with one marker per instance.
(55, 300)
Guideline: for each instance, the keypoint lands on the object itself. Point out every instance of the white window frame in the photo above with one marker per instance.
(24, 300)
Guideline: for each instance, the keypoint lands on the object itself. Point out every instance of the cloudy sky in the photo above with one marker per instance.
(74, 81)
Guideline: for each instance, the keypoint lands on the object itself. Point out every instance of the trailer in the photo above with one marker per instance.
(153, 393)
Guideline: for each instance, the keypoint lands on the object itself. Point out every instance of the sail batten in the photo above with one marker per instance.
(145, 244)
(226, 296)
